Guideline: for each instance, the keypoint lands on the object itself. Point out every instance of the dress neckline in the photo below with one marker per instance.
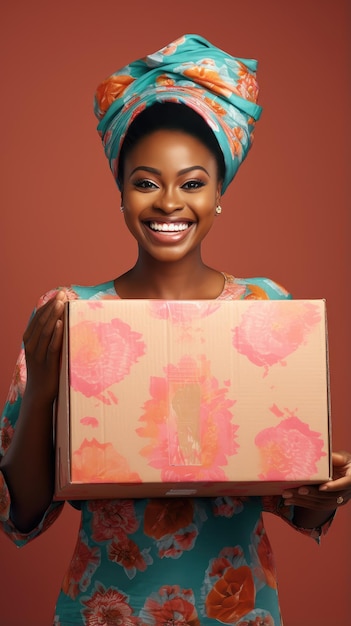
(228, 279)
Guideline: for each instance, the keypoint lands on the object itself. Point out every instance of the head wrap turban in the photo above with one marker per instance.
(190, 71)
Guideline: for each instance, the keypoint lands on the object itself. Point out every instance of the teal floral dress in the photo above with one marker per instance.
(162, 562)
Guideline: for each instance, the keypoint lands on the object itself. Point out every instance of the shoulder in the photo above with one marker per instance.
(81, 292)
(255, 288)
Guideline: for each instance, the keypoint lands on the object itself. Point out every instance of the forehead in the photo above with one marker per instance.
(170, 146)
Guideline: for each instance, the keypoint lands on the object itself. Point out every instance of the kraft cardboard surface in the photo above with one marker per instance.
(195, 398)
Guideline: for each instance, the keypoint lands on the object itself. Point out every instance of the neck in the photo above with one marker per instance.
(185, 279)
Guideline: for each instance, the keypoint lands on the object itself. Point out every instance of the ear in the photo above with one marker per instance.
(218, 192)
(122, 206)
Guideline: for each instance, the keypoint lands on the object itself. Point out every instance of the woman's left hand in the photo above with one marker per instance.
(330, 495)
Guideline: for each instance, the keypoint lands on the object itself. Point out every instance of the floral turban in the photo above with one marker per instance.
(191, 71)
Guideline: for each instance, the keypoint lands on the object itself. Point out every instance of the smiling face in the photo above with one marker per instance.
(170, 192)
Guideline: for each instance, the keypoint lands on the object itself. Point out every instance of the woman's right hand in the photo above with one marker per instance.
(42, 344)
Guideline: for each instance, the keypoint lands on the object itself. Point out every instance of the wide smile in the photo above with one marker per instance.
(169, 227)
(166, 231)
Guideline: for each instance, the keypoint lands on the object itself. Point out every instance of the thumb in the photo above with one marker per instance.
(340, 458)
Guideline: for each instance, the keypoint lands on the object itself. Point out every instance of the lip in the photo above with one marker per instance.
(168, 236)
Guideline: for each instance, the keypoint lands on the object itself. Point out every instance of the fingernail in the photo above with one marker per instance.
(303, 491)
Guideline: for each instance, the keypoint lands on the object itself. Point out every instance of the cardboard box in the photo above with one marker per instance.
(192, 398)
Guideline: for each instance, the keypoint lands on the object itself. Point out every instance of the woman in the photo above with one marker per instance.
(175, 127)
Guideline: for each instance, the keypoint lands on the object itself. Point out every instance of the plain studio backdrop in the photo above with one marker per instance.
(286, 216)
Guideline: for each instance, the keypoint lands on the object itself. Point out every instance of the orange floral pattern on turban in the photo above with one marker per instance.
(193, 72)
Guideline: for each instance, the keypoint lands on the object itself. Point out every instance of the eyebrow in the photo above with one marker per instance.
(153, 170)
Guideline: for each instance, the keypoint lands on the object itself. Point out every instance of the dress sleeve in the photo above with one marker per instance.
(21, 539)
(8, 422)
(277, 506)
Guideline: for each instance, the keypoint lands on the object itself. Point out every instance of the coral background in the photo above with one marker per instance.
(287, 216)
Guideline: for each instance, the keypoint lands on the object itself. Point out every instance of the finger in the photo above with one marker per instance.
(341, 458)
(34, 320)
(37, 344)
(56, 340)
(325, 504)
(304, 490)
(313, 498)
(42, 314)
(339, 484)
(314, 506)
(49, 339)
(40, 331)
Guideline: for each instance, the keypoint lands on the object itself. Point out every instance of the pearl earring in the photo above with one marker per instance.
(218, 209)
(122, 208)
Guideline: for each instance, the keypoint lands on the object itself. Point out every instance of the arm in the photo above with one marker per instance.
(28, 465)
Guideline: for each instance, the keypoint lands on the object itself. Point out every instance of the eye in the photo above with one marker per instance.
(192, 185)
(145, 183)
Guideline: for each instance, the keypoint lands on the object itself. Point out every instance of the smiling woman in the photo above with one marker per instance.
(169, 207)
(175, 126)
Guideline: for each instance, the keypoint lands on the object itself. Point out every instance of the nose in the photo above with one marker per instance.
(169, 200)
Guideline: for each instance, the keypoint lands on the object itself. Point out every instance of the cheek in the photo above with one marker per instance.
(129, 220)
(206, 205)
(134, 203)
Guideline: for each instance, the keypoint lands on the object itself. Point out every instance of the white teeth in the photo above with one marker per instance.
(166, 228)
